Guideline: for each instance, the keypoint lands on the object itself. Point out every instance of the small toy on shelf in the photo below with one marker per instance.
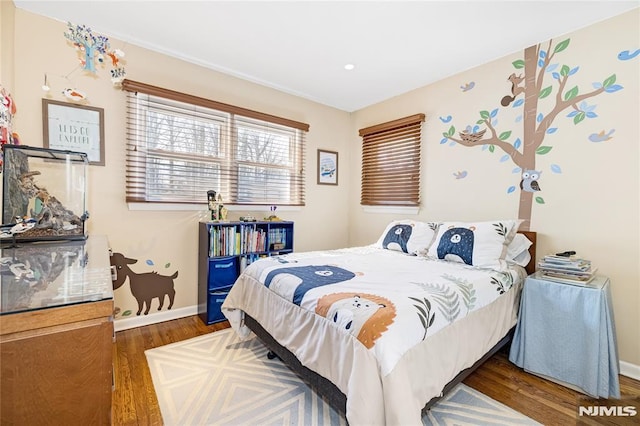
(247, 218)
(218, 210)
(273, 217)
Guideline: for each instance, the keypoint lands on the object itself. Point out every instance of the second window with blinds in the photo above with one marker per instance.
(180, 146)
(391, 163)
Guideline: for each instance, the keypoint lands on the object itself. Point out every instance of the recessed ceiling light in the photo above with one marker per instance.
(349, 67)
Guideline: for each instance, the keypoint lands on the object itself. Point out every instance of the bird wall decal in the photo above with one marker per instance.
(626, 55)
(601, 136)
(468, 86)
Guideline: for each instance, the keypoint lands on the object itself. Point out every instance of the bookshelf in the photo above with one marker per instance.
(225, 249)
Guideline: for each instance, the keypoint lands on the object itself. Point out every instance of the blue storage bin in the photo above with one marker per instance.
(223, 272)
(216, 299)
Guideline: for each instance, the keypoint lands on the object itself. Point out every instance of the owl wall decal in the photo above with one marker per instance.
(529, 180)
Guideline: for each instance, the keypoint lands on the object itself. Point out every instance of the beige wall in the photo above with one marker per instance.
(591, 207)
(168, 236)
(7, 12)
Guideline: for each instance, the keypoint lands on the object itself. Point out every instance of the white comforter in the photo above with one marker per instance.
(388, 329)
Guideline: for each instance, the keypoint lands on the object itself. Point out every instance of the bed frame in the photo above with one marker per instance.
(332, 394)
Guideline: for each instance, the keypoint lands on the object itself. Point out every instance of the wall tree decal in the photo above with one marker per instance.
(530, 85)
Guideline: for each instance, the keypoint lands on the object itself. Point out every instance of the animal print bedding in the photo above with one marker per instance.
(362, 318)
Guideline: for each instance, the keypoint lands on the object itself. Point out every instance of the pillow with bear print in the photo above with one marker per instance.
(481, 244)
(408, 236)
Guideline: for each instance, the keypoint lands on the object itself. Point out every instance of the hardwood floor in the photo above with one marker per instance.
(134, 399)
(135, 403)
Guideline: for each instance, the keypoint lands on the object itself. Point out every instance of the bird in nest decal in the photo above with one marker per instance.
(468, 137)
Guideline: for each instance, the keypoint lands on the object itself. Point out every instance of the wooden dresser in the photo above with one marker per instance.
(56, 333)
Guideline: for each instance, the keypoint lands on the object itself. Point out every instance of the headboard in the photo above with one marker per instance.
(531, 235)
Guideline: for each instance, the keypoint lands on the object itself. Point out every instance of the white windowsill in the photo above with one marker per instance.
(391, 209)
(203, 207)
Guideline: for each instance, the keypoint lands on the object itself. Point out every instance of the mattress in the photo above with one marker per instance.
(390, 330)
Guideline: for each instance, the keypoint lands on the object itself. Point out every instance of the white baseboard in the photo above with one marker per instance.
(630, 370)
(138, 321)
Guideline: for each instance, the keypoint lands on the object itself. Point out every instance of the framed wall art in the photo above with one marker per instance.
(327, 167)
(72, 127)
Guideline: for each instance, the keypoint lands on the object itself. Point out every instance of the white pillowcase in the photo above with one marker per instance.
(408, 236)
(481, 244)
(518, 250)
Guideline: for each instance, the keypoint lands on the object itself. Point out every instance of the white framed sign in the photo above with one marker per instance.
(327, 167)
(72, 127)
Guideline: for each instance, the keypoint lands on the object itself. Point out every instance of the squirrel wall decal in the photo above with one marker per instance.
(515, 89)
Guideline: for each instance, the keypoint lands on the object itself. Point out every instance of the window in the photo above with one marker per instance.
(180, 146)
(391, 163)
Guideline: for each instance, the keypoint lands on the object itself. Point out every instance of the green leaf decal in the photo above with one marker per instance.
(561, 46)
(452, 130)
(579, 117)
(519, 64)
(543, 150)
(481, 121)
(539, 200)
(492, 148)
(126, 313)
(485, 115)
(545, 92)
(571, 93)
(564, 71)
(609, 81)
(504, 135)
(445, 134)
(167, 265)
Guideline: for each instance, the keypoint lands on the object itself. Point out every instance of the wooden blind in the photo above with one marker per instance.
(180, 146)
(391, 162)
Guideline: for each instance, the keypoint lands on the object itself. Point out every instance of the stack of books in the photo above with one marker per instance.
(567, 269)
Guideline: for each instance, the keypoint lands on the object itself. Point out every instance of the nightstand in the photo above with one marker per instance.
(566, 333)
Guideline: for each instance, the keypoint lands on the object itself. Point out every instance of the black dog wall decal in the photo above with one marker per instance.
(145, 286)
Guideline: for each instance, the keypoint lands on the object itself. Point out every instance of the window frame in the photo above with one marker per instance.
(228, 149)
(401, 138)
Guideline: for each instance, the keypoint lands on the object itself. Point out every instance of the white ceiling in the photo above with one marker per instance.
(301, 47)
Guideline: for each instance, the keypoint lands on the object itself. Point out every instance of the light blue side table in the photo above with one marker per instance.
(567, 333)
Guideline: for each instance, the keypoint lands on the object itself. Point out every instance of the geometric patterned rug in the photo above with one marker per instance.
(216, 379)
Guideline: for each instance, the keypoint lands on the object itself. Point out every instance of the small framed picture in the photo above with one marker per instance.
(327, 167)
(72, 127)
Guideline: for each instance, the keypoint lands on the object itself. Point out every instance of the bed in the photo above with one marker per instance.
(384, 330)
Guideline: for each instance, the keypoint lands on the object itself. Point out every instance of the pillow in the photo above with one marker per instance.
(408, 236)
(518, 250)
(481, 244)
